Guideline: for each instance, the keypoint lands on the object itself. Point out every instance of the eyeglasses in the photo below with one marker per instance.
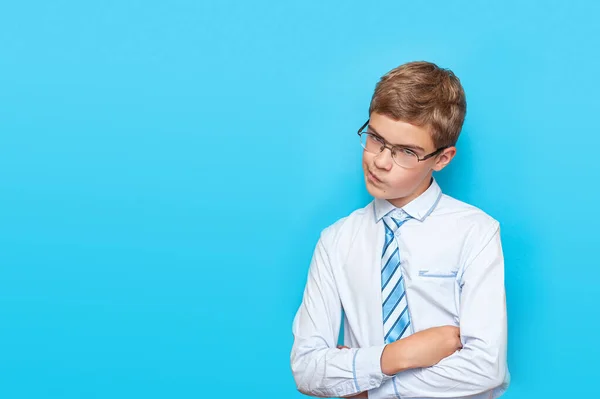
(402, 156)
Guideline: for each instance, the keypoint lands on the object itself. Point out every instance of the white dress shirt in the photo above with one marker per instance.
(453, 268)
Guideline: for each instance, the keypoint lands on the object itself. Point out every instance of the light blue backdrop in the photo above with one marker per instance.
(166, 169)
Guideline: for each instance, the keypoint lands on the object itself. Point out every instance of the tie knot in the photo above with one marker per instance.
(396, 218)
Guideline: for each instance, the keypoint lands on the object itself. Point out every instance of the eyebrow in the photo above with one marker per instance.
(411, 146)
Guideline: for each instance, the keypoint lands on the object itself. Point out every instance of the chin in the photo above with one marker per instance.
(381, 193)
(376, 192)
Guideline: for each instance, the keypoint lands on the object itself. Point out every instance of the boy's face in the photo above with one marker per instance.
(386, 179)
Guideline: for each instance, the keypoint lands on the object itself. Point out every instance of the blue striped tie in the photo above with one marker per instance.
(396, 318)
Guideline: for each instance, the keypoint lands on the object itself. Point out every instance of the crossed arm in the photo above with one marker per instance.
(422, 349)
(425, 364)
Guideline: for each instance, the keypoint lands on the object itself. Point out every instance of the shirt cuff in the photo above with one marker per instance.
(367, 368)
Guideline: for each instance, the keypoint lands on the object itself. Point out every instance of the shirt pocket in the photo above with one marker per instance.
(438, 273)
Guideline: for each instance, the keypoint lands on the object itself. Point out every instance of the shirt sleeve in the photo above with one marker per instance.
(480, 365)
(318, 367)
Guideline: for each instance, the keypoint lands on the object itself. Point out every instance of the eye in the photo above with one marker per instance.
(406, 151)
(375, 138)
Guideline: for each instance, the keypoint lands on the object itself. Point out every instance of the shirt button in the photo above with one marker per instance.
(372, 382)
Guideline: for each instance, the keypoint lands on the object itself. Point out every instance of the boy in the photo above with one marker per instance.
(418, 274)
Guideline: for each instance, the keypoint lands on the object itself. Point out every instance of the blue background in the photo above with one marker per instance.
(166, 169)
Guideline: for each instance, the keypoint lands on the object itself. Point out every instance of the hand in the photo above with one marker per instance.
(362, 395)
(435, 344)
(422, 349)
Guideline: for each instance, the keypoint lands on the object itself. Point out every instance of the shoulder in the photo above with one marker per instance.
(344, 230)
(475, 227)
(464, 215)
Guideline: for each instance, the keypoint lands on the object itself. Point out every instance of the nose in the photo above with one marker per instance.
(384, 160)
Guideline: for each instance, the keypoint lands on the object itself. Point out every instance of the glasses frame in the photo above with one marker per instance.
(393, 148)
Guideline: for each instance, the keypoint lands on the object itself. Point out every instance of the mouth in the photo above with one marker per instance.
(373, 178)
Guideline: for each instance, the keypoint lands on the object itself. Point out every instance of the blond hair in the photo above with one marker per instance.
(423, 94)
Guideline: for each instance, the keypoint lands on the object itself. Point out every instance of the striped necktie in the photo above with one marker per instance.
(396, 318)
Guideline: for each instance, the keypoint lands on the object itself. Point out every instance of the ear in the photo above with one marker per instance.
(443, 159)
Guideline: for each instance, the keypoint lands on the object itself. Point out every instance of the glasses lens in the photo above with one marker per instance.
(363, 140)
(406, 158)
(370, 143)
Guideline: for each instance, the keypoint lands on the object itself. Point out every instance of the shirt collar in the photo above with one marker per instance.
(419, 208)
